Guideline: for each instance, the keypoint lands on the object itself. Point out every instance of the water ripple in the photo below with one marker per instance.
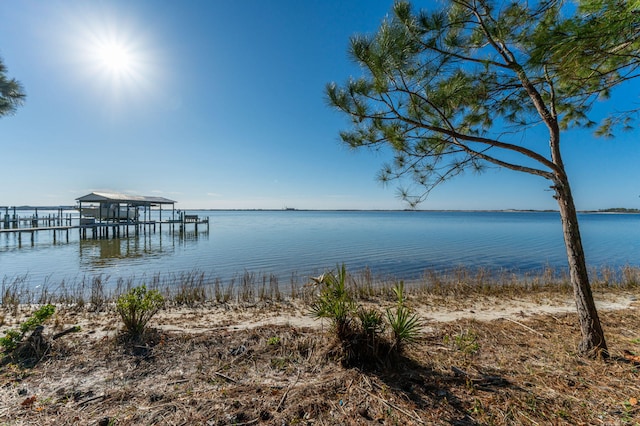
(402, 244)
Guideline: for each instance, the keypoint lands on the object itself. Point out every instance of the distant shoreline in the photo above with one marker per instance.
(608, 211)
(617, 211)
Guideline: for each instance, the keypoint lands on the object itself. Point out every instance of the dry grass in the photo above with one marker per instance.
(509, 371)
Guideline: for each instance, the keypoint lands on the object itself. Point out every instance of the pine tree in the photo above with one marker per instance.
(454, 89)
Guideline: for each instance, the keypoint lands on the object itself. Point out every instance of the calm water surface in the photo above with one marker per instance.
(400, 244)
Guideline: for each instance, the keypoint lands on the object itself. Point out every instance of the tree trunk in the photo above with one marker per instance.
(593, 342)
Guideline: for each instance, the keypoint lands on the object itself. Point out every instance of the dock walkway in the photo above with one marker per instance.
(33, 230)
(100, 229)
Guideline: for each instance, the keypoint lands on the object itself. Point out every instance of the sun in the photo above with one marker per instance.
(115, 54)
(115, 58)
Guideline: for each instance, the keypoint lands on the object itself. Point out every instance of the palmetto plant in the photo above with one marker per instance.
(405, 325)
(335, 303)
(372, 322)
(359, 330)
(373, 326)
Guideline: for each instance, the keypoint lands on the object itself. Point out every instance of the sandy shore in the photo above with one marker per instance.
(216, 317)
(432, 310)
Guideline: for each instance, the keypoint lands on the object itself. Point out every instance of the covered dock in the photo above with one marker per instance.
(104, 211)
(112, 206)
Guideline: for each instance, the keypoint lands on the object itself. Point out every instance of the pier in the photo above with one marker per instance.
(35, 221)
(56, 230)
(101, 216)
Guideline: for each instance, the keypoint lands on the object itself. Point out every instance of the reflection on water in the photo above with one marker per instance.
(104, 253)
(192, 235)
(101, 253)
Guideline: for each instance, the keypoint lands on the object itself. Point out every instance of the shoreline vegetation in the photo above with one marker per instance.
(197, 286)
(493, 349)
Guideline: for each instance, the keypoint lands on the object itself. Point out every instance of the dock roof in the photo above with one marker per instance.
(114, 197)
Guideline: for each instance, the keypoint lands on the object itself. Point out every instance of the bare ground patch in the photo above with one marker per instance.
(482, 361)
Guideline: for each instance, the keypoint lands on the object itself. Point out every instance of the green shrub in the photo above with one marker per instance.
(13, 337)
(137, 307)
(10, 340)
(37, 318)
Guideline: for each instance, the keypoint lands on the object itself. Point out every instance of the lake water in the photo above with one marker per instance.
(402, 244)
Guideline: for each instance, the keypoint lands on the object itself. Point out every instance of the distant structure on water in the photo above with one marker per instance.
(102, 213)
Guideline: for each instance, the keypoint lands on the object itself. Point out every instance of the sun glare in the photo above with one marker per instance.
(114, 55)
(115, 58)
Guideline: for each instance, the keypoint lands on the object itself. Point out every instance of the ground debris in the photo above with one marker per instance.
(463, 372)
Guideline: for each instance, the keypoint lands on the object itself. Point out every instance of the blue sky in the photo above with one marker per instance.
(220, 104)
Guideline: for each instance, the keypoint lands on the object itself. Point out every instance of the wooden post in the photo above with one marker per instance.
(80, 229)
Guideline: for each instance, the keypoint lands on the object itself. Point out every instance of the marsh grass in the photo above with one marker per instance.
(11, 292)
(222, 295)
(246, 292)
(98, 297)
(269, 292)
(274, 288)
(196, 287)
(191, 289)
